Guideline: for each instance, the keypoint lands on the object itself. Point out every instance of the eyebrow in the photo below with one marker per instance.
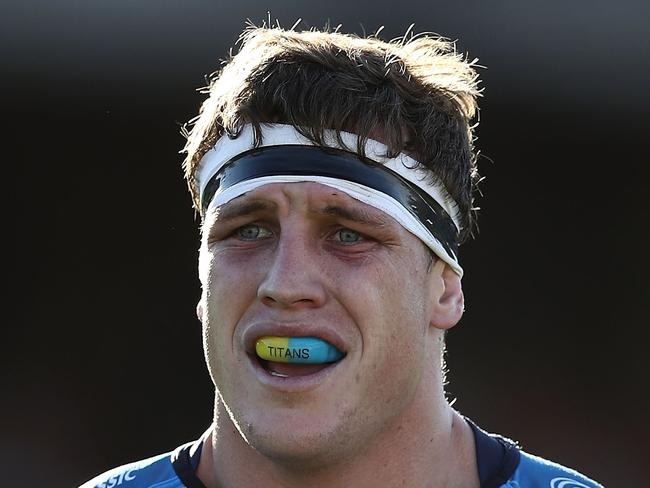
(354, 214)
(233, 210)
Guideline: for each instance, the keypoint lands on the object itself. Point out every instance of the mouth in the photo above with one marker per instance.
(282, 370)
(285, 358)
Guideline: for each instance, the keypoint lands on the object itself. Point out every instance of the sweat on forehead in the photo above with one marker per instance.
(396, 186)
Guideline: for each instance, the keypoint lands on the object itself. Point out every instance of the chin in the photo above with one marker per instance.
(296, 454)
(300, 443)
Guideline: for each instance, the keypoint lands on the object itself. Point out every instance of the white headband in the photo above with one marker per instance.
(226, 149)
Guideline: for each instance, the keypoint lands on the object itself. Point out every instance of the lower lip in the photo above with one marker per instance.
(291, 384)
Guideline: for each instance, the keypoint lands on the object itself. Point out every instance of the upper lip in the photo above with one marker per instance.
(294, 329)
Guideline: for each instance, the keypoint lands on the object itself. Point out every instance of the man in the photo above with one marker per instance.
(334, 177)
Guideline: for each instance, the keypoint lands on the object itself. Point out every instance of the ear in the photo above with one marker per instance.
(199, 311)
(447, 297)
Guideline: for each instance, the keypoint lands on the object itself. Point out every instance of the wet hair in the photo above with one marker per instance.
(415, 94)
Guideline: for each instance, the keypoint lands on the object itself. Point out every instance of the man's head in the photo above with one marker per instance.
(337, 256)
(417, 96)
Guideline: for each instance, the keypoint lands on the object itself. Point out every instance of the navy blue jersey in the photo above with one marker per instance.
(501, 464)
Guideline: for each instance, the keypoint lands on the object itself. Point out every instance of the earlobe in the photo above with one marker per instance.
(448, 298)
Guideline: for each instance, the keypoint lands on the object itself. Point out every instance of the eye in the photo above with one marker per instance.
(348, 236)
(252, 232)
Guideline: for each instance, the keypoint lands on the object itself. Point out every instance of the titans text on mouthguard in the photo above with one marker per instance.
(297, 350)
(398, 186)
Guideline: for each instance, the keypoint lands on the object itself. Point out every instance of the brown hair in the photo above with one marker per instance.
(416, 94)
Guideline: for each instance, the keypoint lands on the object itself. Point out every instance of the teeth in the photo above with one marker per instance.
(279, 375)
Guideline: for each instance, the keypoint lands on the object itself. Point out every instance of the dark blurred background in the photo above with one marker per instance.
(103, 361)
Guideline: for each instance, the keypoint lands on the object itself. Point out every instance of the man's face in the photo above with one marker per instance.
(304, 259)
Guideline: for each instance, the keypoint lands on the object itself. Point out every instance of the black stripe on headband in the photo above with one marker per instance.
(298, 160)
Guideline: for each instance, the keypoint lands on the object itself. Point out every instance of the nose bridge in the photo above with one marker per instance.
(292, 278)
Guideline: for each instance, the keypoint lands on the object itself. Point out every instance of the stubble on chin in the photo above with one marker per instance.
(305, 453)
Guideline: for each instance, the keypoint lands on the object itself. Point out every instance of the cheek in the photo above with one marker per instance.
(393, 317)
(229, 282)
(396, 295)
(228, 292)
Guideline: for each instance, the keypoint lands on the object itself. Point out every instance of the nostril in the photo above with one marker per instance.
(268, 300)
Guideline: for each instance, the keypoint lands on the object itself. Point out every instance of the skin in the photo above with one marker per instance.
(307, 255)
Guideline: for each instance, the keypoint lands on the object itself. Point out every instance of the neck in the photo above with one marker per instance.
(429, 445)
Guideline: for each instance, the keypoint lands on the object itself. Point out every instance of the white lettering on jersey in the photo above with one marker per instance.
(566, 483)
(117, 480)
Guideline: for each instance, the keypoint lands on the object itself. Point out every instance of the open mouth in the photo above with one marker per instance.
(283, 370)
(287, 357)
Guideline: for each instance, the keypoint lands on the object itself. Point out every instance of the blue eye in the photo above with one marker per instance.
(348, 236)
(251, 232)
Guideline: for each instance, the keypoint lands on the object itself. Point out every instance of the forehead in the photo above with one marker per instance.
(312, 199)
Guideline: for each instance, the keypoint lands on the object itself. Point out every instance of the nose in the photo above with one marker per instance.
(293, 279)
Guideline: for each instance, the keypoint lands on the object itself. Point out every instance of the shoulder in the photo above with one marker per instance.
(156, 471)
(501, 463)
(536, 472)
